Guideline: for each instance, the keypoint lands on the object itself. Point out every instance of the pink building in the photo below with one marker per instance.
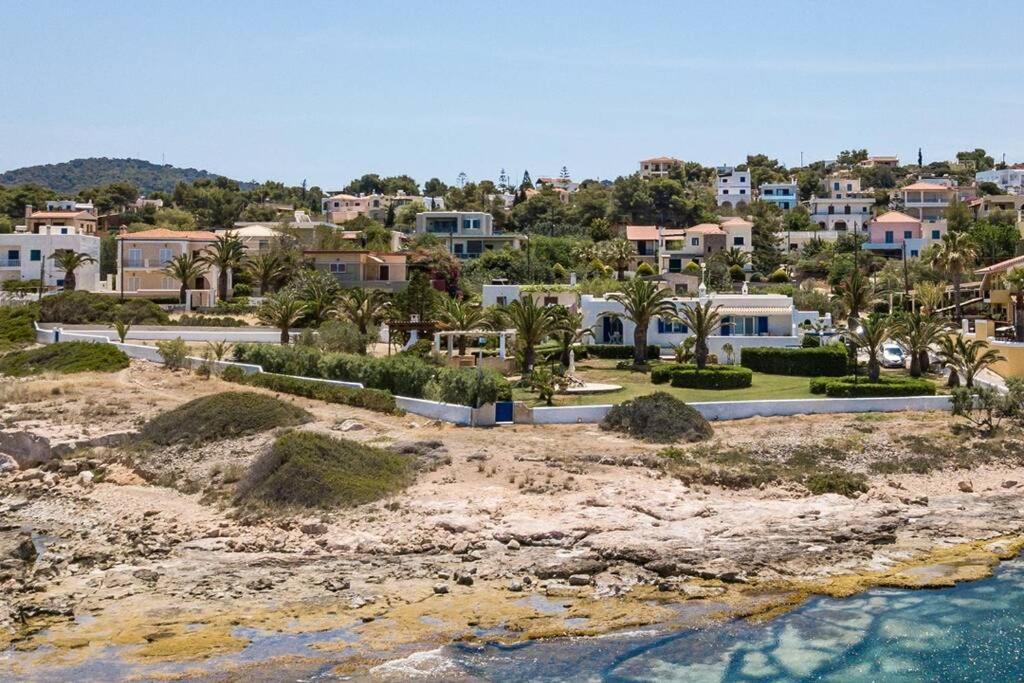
(894, 228)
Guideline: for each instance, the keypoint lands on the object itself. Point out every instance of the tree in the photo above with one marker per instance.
(185, 268)
(69, 261)
(1015, 282)
(855, 294)
(966, 359)
(533, 324)
(319, 290)
(642, 301)
(267, 269)
(734, 256)
(851, 157)
(958, 216)
(617, 253)
(954, 256)
(461, 314)
(976, 160)
(570, 332)
(225, 254)
(917, 333)
(870, 335)
(701, 320)
(282, 310)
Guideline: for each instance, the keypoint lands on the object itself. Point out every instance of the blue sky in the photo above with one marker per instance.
(328, 91)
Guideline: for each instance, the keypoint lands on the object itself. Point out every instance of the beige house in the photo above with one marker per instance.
(361, 268)
(142, 257)
(927, 201)
(658, 167)
(73, 222)
(467, 234)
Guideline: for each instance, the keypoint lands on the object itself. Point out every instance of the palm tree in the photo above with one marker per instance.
(855, 294)
(320, 291)
(267, 269)
(734, 256)
(930, 294)
(701, 320)
(363, 307)
(917, 333)
(533, 324)
(69, 261)
(225, 254)
(617, 253)
(643, 301)
(185, 268)
(1015, 283)
(870, 335)
(949, 356)
(462, 314)
(954, 256)
(282, 310)
(570, 332)
(967, 358)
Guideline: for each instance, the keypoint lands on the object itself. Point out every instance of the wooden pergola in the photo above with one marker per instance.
(452, 335)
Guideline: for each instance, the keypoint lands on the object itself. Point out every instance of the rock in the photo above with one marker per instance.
(335, 585)
(69, 467)
(516, 586)
(1009, 484)
(31, 474)
(662, 567)
(261, 584)
(7, 463)
(85, 478)
(440, 589)
(563, 568)
(313, 528)
(579, 580)
(147, 575)
(477, 457)
(513, 545)
(965, 486)
(917, 500)
(463, 579)
(352, 426)
(49, 479)
(26, 549)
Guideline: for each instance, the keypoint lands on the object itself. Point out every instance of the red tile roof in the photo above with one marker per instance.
(62, 214)
(896, 217)
(927, 186)
(165, 234)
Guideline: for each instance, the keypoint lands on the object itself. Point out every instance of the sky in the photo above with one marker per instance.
(328, 91)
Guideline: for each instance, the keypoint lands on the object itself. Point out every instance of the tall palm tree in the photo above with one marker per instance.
(320, 291)
(701, 320)
(734, 256)
(617, 253)
(855, 294)
(949, 357)
(462, 314)
(1015, 283)
(917, 333)
(225, 254)
(570, 332)
(267, 269)
(69, 260)
(643, 301)
(930, 294)
(363, 307)
(870, 335)
(185, 268)
(955, 253)
(968, 358)
(533, 324)
(282, 310)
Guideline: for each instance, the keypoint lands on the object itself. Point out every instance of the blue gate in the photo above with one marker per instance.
(503, 412)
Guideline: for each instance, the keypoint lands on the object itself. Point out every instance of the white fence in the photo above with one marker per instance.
(267, 335)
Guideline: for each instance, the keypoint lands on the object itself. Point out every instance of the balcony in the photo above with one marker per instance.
(10, 263)
(145, 263)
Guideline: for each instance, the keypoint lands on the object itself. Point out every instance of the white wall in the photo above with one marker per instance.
(86, 277)
(190, 334)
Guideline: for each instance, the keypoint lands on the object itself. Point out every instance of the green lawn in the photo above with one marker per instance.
(639, 384)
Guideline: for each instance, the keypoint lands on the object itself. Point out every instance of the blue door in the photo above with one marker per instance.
(503, 412)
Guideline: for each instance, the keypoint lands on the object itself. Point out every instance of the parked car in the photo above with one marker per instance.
(893, 356)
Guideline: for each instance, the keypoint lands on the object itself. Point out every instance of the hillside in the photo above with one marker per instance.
(78, 174)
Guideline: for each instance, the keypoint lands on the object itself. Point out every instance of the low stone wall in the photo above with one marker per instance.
(449, 412)
(570, 414)
(267, 335)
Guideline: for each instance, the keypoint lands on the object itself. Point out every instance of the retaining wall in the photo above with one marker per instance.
(449, 412)
(190, 334)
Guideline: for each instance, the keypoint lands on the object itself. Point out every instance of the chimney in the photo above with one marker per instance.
(28, 211)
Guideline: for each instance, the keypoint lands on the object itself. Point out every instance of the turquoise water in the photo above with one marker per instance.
(972, 632)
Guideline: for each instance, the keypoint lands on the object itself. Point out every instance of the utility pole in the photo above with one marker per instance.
(120, 262)
(906, 276)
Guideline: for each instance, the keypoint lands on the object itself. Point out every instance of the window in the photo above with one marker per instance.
(669, 327)
(13, 255)
(474, 247)
(888, 237)
(384, 273)
(913, 252)
(501, 300)
(442, 225)
(694, 241)
(165, 256)
(936, 235)
(459, 249)
(675, 265)
(470, 223)
(737, 240)
(742, 179)
(743, 191)
(849, 187)
(835, 186)
(846, 209)
(769, 193)
(831, 209)
(35, 255)
(908, 234)
(725, 191)
(338, 267)
(551, 301)
(784, 205)
(63, 231)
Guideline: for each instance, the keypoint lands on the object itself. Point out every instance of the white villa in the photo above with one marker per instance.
(26, 254)
(732, 188)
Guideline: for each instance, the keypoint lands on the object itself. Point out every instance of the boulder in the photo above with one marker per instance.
(965, 486)
(563, 568)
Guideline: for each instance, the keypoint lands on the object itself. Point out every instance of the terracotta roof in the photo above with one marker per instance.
(649, 232)
(62, 214)
(736, 220)
(165, 234)
(1001, 266)
(896, 217)
(927, 186)
(706, 229)
(660, 160)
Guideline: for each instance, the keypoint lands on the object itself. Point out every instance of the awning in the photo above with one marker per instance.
(756, 310)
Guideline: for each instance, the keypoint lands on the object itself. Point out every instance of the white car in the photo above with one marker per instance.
(893, 356)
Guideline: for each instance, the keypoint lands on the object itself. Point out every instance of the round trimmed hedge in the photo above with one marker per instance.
(860, 387)
(815, 361)
(711, 377)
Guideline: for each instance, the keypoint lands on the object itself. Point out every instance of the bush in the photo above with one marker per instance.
(644, 269)
(736, 273)
(371, 399)
(209, 321)
(221, 416)
(469, 387)
(846, 387)
(658, 417)
(711, 377)
(315, 470)
(80, 307)
(174, 353)
(16, 325)
(779, 275)
(822, 361)
(343, 336)
(65, 358)
(303, 361)
(836, 481)
(233, 373)
(618, 351)
(241, 289)
(809, 341)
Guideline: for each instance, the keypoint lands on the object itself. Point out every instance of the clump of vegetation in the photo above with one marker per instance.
(885, 385)
(815, 361)
(371, 399)
(80, 307)
(985, 408)
(310, 469)
(174, 353)
(659, 417)
(710, 377)
(222, 416)
(64, 358)
(16, 326)
(210, 321)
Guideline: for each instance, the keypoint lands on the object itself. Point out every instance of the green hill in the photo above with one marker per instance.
(73, 176)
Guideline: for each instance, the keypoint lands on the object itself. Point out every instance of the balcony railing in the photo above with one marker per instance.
(10, 263)
(146, 263)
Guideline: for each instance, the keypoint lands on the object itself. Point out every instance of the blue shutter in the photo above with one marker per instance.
(661, 326)
(762, 324)
(684, 329)
(726, 327)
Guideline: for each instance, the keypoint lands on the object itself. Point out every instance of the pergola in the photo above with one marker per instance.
(452, 335)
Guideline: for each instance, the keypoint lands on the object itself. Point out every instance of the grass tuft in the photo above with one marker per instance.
(64, 358)
(221, 416)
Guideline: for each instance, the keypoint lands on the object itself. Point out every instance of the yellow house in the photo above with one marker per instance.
(361, 268)
(142, 257)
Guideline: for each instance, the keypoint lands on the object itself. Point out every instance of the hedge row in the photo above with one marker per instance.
(858, 387)
(711, 377)
(822, 361)
(371, 399)
(619, 351)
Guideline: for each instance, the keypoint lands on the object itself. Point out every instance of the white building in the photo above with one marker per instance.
(732, 187)
(28, 255)
(467, 234)
(845, 208)
(783, 195)
(1010, 180)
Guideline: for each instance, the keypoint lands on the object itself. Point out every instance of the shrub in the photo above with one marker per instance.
(221, 416)
(836, 481)
(65, 358)
(779, 275)
(315, 470)
(711, 377)
(618, 351)
(303, 361)
(174, 352)
(343, 336)
(81, 307)
(847, 387)
(371, 399)
(691, 268)
(470, 387)
(756, 277)
(659, 417)
(736, 273)
(809, 341)
(233, 373)
(16, 325)
(644, 269)
(210, 321)
(241, 289)
(829, 360)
